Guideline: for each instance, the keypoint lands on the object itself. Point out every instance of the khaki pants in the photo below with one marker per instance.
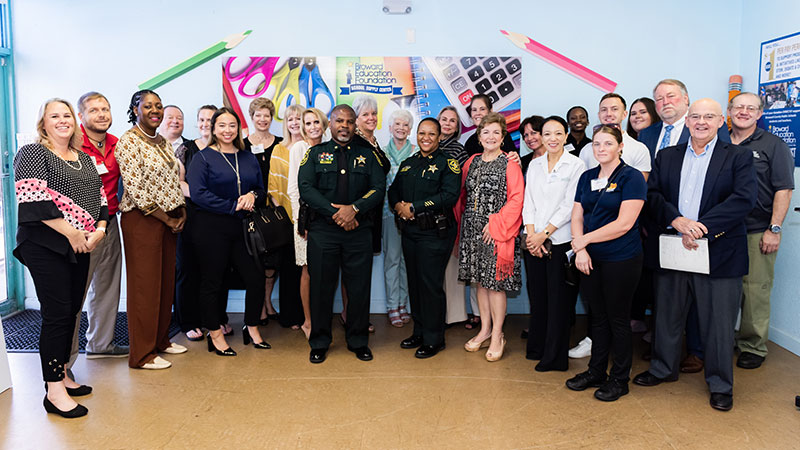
(753, 332)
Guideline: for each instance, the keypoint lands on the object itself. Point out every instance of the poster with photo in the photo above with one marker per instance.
(420, 85)
(779, 89)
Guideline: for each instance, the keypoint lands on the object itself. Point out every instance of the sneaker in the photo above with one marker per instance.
(116, 351)
(175, 349)
(157, 364)
(582, 350)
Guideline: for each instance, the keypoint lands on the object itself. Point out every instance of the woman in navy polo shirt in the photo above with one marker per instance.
(608, 252)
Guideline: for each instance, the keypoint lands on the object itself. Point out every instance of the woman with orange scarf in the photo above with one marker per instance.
(489, 212)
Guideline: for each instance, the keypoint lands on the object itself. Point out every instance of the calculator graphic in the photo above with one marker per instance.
(461, 78)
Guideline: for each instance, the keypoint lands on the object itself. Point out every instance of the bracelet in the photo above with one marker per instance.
(546, 233)
(355, 208)
(103, 229)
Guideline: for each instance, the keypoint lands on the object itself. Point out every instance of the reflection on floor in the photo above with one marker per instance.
(277, 399)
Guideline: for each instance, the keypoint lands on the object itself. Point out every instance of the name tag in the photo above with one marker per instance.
(257, 149)
(599, 183)
(569, 148)
(101, 168)
(553, 178)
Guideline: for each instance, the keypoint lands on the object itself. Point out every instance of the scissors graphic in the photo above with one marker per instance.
(257, 66)
(312, 83)
(287, 82)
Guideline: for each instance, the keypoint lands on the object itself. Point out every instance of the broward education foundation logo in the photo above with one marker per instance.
(369, 78)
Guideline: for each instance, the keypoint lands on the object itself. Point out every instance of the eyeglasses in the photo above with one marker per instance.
(597, 128)
(749, 108)
(707, 117)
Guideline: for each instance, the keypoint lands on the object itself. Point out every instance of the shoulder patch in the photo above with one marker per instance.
(453, 165)
(305, 158)
(405, 169)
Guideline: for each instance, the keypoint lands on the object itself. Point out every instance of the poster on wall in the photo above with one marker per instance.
(420, 85)
(779, 89)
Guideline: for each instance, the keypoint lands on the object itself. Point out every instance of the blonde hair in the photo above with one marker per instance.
(75, 141)
(291, 110)
(320, 115)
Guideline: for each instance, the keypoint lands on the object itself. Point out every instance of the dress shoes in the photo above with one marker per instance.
(79, 391)
(158, 363)
(318, 355)
(411, 342)
(691, 364)
(721, 402)
(175, 349)
(611, 390)
(584, 380)
(541, 367)
(426, 351)
(648, 379)
(749, 360)
(362, 353)
(78, 411)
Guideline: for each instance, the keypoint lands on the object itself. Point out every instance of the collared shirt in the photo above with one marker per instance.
(675, 134)
(634, 153)
(111, 177)
(177, 143)
(693, 178)
(149, 175)
(549, 196)
(774, 172)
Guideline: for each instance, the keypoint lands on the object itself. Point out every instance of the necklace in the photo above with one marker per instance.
(70, 163)
(235, 169)
(151, 137)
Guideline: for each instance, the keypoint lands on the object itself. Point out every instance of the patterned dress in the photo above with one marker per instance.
(486, 194)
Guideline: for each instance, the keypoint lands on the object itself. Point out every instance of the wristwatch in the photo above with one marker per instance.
(411, 208)
(775, 228)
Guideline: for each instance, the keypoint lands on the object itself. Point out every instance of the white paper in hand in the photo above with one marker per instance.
(673, 255)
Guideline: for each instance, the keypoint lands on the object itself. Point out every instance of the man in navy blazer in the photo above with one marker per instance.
(672, 103)
(702, 189)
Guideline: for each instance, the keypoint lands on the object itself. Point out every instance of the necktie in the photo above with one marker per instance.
(665, 139)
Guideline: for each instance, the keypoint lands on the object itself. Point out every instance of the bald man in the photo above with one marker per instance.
(703, 189)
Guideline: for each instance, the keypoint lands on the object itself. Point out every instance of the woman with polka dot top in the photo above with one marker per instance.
(62, 217)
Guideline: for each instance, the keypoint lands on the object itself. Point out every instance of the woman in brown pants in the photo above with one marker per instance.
(153, 212)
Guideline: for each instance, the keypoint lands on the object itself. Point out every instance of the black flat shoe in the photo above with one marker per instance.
(263, 345)
(78, 411)
(318, 355)
(213, 348)
(79, 391)
(611, 390)
(721, 402)
(749, 360)
(411, 342)
(550, 367)
(648, 379)
(426, 351)
(362, 353)
(585, 380)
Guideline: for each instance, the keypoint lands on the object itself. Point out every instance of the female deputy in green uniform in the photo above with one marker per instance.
(423, 195)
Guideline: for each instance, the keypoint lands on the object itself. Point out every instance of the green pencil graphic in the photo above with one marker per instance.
(190, 63)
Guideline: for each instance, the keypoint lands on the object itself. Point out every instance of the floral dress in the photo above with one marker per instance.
(486, 194)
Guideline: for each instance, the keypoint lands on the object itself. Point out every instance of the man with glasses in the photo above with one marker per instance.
(775, 174)
(702, 189)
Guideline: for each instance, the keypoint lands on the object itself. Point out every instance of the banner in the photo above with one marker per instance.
(420, 85)
(779, 89)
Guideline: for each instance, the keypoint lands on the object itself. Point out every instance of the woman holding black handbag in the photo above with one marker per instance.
(608, 251)
(551, 181)
(225, 183)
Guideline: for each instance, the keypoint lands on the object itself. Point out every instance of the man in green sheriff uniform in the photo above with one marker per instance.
(423, 193)
(340, 181)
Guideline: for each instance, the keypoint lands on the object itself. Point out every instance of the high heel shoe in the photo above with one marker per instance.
(78, 411)
(212, 348)
(246, 339)
(472, 346)
(492, 357)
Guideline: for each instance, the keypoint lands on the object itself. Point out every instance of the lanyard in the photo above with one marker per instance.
(235, 169)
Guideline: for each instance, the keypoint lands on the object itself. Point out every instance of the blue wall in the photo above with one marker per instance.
(111, 47)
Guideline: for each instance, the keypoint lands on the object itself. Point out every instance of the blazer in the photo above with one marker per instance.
(729, 194)
(649, 137)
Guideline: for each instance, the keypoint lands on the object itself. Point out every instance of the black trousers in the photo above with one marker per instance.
(290, 305)
(551, 300)
(219, 245)
(609, 289)
(426, 256)
(329, 249)
(59, 287)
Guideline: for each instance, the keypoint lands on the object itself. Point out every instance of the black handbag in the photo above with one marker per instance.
(266, 230)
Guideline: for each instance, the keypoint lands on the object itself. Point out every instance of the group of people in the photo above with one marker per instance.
(584, 213)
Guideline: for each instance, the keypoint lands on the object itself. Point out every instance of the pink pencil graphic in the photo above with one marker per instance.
(562, 62)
